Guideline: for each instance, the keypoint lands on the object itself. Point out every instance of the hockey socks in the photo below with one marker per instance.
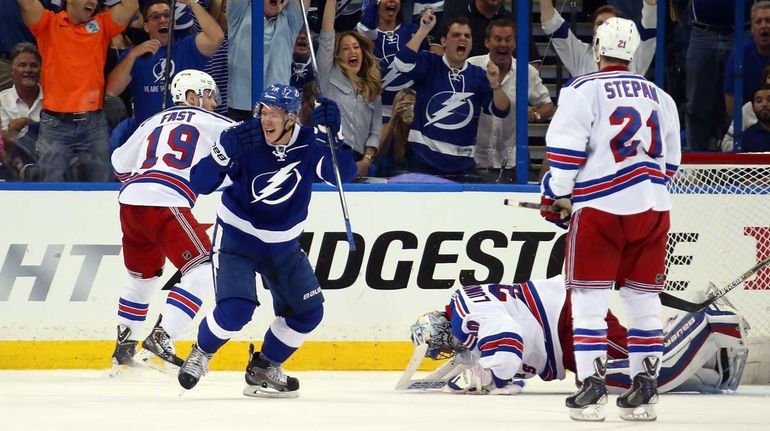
(227, 318)
(133, 304)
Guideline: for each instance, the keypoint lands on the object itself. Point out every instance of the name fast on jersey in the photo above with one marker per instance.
(630, 88)
(177, 116)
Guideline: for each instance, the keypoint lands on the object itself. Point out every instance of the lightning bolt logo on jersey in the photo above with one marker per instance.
(447, 108)
(278, 187)
(450, 111)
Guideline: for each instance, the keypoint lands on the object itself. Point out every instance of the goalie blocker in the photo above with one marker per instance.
(496, 335)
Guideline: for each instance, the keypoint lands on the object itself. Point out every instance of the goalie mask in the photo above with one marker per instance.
(193, 80)
(435, 330)
(616, 38)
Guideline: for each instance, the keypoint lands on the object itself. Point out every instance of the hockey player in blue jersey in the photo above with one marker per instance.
(272, 162)
(450, 94)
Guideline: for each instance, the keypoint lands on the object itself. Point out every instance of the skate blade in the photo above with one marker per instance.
(117, 369)
(260, 392)
(124, 369)
(147, 359)
(643, 413)
(592, 413)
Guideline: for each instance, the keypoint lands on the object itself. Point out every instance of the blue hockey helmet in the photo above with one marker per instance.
(435, 330)
(280, 96)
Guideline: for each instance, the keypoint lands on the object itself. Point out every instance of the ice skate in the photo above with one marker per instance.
(194, 367)
(638, 402)
(265, 380)
(123, 355)
(587, 404)
(158, 351)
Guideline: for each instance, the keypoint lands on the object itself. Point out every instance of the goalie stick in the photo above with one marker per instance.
(681, 304)
(666, 298)
(435, 380)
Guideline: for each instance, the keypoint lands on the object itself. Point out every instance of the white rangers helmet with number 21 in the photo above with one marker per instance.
(616, 38)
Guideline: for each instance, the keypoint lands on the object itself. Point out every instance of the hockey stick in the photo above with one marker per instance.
(168, 62)
(175, 278)
(330, 137)
(435, 380)
(680, 304)
(531, 205)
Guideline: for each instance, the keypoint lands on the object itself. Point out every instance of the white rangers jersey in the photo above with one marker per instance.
(578, 56)
(614, 143)
(154, 163)
(512, 328)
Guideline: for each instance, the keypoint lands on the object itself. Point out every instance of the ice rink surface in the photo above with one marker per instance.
(148, 401)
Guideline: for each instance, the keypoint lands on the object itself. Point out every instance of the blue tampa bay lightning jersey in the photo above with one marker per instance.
(446, 112)
(267, 203)
(387, 44)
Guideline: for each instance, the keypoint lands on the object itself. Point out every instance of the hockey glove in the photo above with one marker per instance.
(327, 113)
(554, 209)
(235, 140)
(481, 381)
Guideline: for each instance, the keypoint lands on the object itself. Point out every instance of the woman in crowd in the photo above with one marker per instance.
(349, 74)
(394, 145)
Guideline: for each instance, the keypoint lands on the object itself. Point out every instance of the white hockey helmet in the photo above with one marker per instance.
(192, 80)
(616, 38)
(435, 330)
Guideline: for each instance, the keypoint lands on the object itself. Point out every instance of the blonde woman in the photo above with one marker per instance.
(349, 74)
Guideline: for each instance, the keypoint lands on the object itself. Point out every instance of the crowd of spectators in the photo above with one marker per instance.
(424, 86)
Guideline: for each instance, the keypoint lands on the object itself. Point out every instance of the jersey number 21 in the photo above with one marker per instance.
(623, 144)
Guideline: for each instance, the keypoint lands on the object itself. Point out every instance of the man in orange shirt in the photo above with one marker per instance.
(73, 43)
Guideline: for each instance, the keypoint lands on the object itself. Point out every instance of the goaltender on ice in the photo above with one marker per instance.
(498, 335)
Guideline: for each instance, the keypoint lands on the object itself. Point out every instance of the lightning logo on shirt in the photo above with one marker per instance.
(279, 184)
(391, 77)
(454, 104)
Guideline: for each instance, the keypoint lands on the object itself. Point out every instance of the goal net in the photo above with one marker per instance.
(720, 227)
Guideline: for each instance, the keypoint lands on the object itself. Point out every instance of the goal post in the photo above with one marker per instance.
(720, 227)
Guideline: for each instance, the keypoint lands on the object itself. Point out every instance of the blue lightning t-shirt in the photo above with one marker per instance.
(148, 72)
